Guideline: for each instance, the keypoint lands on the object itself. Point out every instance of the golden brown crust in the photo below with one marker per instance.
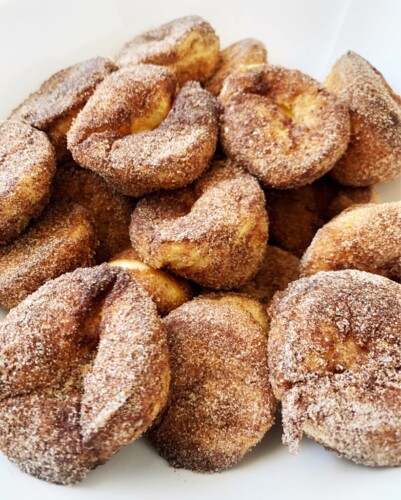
(84, 371)
(295, 215)
(365, 237)
(27, 167)
(278, 269)
(282, 125)
(113, 135)
(374, 151)
(110, 211)
(168, 292)
(61, 240)
(221, 403)
(243, 53)
(334, 357)
(188, 46)
(59, 99)
(213, 232)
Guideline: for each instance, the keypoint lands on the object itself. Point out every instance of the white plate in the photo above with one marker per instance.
(40, 37)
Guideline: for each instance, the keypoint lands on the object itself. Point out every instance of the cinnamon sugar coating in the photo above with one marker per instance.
(374, 151)
(84, 371)
(168, 292)
(62, 239)
(221, 403)
(188, 46)
(27, 167)
(278, 269)
(127, 134)
(243, 53)
(110, 211)
(295, 215)
(53, 107)
(282, 125)
(365, 237)
(334, 358)
(213, 232)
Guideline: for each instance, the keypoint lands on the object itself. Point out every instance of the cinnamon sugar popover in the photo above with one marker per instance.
(110, 211)
(221, 403)
(213, 232)
(365, 237)
(188, 46)
(62, 239)
(27, 167)
(374, 151)
(295, 215)
(282, 125)
(243, 53)
(334, 358)
(53, 107)
(128, 134)
(84, 371)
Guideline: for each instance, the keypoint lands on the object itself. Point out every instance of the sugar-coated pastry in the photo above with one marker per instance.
(364, 237)
(334, 358)
(374, 151)
(240, 54)
(188, 46)
(128, 134)
(27, 167)
(84, 371)
(282, 125)
(62, 239)
(221, 403)
(213, 232)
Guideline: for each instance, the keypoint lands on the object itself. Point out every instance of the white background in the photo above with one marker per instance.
(39, 37)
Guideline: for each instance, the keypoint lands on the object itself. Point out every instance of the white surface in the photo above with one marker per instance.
(39, 37)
